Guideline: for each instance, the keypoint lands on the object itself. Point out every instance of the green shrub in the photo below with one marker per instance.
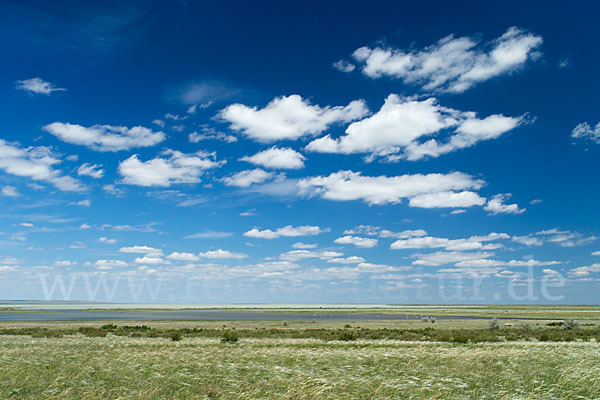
(91, 331)
(494, 324)
(175, 336)
(109, 327)
(346, 335)
(571, 324)
(229, 336)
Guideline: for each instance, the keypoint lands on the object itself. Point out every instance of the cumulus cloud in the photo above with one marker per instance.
(344, 66)
(173, 168)
(9, 191)
(496, 205)
(357, 241)
(109, 264)
(222, 254)
(105, 137)
(347, 260)
(208, 133)
(177, 256)
(528, 240)
(287, 231)
(296, 255)
(248, 177)
(106, 240)
(565, 238)
(36, 163)
(93, 170)
(349, 185)
(397, 129)
(300, 245)
(288, 117)
(452, 64)
(277, 158)
(140, 250)
(151, 260)
(581, 272)
(370, 230)
(447, 199)
(38, 86)
(448, 257)
(585, 132)
(430, 242)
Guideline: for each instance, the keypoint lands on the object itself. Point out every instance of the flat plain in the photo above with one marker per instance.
(428, 358)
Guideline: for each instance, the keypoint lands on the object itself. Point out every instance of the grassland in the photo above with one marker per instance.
(401, 359)
(114, 367)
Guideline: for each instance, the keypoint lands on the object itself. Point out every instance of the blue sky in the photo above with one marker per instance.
(314, 152)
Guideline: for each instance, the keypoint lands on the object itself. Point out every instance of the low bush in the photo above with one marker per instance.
(494, 324)
(229, 336)
(571, 324)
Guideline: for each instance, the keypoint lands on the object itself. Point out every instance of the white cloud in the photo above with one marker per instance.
(429, 242)
(447, 199)
(300, 245)
(151, 260)
(9, 191)
(566, 238)
(174, 168)
(584, 271)
(83, 203)
(112, 189)
(370, 230)
(38, 85)
(177, 256)
(528, 240)
(141, 250)
(209, 235)
(278, 158)
(596, 253)
(395, 131)
(205, 93)
(349, 185)
(36, 163)
(448, 257)
(287, 231)
(93, 170)
(357, 241)
(159, 122)
(109, 264)
(452, 64)
(64, 263)
(530, 263)
(26, 224)
(344, 66)
(288, 117)
(496, 205)
(106, 240)
(296, 255)
(208, 133)
(347, 260)
(586, 132)
(105, 137)
(9, 260)
(248, 177)
(84, 226)
(222, 254)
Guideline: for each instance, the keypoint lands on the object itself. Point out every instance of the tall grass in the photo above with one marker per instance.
(111, 367)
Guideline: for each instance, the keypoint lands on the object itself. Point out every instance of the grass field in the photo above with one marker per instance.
(149, 368)
(405, 359)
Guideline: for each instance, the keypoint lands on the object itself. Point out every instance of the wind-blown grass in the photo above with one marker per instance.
(197, 368)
